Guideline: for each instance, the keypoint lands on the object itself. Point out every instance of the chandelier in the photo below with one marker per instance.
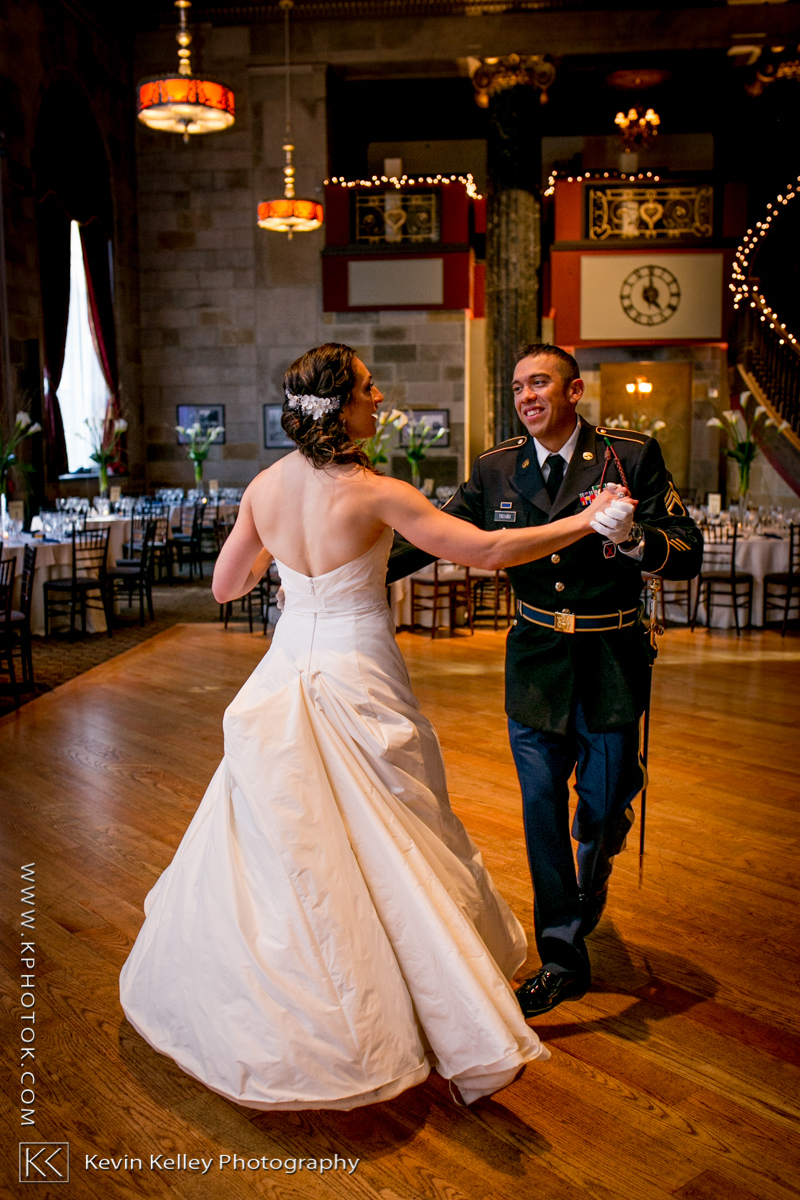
(493, 75)
(642, 386)
(181, 103)
(638, 127)
(289, 215)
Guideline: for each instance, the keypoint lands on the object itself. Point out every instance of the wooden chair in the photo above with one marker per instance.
(491, 596)
(673, 591)
(7, 569)
(187, 538)
(208, 533)
(162, 545)
(444, 590)
(784, 583)
(21, 617)
(677, 592)
(69, 596)
(719, 579)
(136, 576)
(222, 531)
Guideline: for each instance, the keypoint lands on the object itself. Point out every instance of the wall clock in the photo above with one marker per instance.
(650, 295)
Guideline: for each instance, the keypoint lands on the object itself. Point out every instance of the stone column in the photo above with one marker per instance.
(513, 247)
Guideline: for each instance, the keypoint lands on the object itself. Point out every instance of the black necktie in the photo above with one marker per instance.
(556, 464)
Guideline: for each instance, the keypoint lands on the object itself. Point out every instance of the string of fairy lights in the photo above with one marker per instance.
(744, 290)
(398, 182)
(403, 181)
(599, 176)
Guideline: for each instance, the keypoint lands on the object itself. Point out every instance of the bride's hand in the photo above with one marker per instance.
(605, 498)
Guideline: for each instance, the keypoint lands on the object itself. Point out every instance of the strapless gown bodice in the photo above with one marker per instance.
(357, 587)
(326, 932)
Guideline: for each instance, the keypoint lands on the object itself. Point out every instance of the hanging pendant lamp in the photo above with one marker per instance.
(183, 103)
(289, 215)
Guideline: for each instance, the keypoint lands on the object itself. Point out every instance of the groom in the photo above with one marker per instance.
(577, 661)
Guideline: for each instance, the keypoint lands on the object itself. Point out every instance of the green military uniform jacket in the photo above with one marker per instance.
(547, 672)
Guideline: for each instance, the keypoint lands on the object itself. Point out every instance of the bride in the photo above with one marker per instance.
(326, 932)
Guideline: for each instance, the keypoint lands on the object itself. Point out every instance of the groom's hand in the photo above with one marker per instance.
(615, 522)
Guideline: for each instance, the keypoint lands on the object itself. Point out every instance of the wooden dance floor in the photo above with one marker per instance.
(678, 1075)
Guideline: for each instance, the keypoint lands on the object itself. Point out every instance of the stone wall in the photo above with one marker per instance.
(417, 360)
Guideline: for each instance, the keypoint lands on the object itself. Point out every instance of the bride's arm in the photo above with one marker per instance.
(242, 560)
(404, 509)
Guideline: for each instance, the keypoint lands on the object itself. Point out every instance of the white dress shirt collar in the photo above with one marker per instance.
(566, 451)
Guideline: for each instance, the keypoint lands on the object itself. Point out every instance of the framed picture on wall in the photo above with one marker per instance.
(434, 418)
(274, 436)
(207, 416)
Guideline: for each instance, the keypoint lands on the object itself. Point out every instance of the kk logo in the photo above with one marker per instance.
(44, 1162)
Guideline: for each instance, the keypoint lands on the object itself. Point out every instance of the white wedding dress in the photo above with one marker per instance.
(327, 932)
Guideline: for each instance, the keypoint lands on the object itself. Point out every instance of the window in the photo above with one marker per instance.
(82, 392)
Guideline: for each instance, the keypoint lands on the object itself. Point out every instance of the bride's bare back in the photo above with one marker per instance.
(316, 519)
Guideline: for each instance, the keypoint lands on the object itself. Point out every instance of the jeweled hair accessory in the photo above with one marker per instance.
(315, 406)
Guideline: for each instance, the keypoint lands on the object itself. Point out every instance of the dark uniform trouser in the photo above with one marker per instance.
(608, 776)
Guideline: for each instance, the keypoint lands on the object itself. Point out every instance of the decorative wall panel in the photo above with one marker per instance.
(662, 213)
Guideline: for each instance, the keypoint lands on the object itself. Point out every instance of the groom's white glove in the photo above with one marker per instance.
(615, 522)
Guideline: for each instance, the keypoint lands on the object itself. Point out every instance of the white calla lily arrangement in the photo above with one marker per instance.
(744, 431)
(199, 445)
(641, 422)
(105, 434)
(388, 420)
(24, 427)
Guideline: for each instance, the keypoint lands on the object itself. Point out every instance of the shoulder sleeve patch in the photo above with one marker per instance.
(511, 444)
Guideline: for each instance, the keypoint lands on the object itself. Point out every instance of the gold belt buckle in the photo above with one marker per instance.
(565, 621)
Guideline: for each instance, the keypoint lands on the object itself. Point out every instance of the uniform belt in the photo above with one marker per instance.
(567, 622)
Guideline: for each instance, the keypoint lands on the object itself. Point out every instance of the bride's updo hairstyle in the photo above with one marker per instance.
(326, 377)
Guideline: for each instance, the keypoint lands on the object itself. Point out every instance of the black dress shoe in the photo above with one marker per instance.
(546, 989)
(592, 907)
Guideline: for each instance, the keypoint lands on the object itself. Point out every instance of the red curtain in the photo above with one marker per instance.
(97, 264)
(100, 288)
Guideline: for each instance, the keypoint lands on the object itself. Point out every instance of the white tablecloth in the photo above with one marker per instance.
(757, 556)
(54, 561)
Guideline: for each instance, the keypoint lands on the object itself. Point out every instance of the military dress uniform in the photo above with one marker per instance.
(577, 657)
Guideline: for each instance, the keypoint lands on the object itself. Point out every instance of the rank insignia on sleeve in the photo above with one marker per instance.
(586, 498)
(673, 502)
(609, 549)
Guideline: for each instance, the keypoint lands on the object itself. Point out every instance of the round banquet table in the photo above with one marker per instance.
(757, 556)
(54, 561)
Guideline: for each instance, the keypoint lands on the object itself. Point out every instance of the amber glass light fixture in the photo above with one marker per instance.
(289, 215)
(183, 103)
